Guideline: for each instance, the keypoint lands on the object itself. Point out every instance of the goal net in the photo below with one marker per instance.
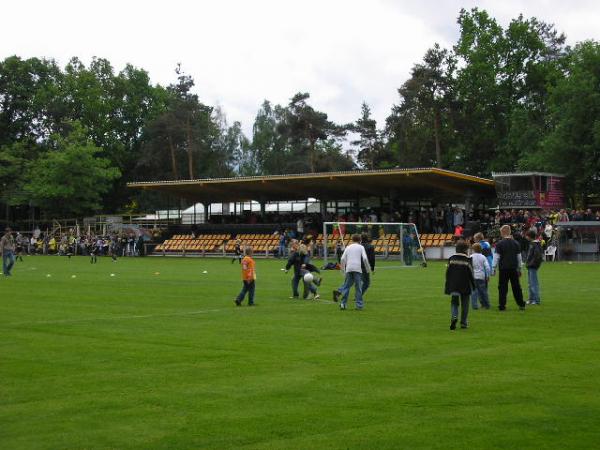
(393, 241)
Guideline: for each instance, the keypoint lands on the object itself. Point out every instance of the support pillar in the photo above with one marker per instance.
(262, 208)
(323, 208)
(206, 213)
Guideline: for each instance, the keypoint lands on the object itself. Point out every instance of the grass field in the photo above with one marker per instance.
(147, 360)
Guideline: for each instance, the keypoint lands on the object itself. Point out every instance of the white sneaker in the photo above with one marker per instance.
(316, 297)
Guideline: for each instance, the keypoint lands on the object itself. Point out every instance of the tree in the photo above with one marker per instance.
(420, 123)
(28, 97)
(269, 147)
(369, 143)
(572, 146)
(502, 83)
(14, 161)
(303, 127)
(230, 147)
(185, 128)
(69, 180)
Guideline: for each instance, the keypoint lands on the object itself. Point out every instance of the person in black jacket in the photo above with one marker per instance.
(508, 260)
(459, 284)
(535, 256)
(370, 251)
(296, 260)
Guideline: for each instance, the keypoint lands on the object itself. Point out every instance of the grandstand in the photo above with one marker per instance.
(389, 190)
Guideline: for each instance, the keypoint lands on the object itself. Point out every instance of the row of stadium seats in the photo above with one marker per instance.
(189, 237)
(211, 243)
(392, 240)
(189, 243)
(259, 242)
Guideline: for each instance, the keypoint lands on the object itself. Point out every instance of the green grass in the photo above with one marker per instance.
(167, 361)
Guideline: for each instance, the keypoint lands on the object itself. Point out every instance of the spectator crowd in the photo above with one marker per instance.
(69, 244)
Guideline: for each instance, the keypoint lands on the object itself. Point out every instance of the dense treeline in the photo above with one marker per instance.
(501, 99)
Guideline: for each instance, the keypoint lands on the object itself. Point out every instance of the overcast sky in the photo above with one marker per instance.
(240, 52)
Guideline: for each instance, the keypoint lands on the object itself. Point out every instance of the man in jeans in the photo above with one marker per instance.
(535, 256)
(7, 249)
(508, 261)
(351, 263)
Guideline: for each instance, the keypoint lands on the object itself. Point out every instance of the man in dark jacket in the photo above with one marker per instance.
(370, 251)
(508, 260)
(459, 284)
(535, 256)
(296, 260)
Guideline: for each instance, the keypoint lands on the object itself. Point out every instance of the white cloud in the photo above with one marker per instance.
(242, 52)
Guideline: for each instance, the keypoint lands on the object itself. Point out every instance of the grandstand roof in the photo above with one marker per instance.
(408, 184)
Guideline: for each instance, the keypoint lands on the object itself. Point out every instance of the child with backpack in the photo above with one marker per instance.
(486, 248)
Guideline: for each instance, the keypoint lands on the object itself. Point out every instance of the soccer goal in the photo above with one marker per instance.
(393, 241)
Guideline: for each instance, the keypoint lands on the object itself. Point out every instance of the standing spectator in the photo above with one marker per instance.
(459, 284)
(407, 248)
(140, 246)
(439, 219)
(370, 251)
(248, 278)
(535, 256)
(32, 246)
(299, 228)
(7, 250)
(458, 217)
(352, 261)
(281, 248)
(123, 241)
(20, 241)
(508, 261)
(449, 219)
(339, 250)
(563, 216)
(523, 244)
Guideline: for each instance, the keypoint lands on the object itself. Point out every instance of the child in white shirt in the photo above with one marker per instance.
(481, 273)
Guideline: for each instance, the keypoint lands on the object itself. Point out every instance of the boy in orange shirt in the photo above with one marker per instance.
(248, 278)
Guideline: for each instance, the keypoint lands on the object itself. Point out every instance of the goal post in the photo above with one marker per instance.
(393, 241)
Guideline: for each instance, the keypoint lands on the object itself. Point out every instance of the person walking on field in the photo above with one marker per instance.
(7, 250)
(248, 278)
(508, 260)
(486, 248)
(459, 284)
(481, 274)
(352, 262)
